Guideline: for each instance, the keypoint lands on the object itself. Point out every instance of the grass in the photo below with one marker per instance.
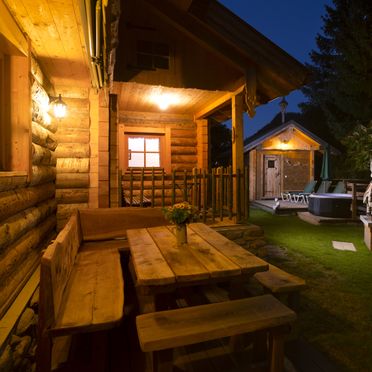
(336, 309)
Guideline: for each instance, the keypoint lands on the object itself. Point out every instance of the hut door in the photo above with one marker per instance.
(271, 180)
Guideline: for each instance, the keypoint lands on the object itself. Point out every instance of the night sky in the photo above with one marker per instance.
(292, 25)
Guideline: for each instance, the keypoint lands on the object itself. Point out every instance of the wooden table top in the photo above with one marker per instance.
(157, 260)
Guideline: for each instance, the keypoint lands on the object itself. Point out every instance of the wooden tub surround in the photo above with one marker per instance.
(160, 332)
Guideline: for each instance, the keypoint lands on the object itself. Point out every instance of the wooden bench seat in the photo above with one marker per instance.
(162, 331)
(278, 282)
(79, 291)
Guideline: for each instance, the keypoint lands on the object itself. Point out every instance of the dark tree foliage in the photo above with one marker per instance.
(341, 89)
(220, 144)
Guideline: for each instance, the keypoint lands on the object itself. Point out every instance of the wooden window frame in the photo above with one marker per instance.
(163, 134)
(15, 125)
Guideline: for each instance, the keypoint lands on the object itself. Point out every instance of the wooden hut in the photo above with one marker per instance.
(114, 64)
(282, 158)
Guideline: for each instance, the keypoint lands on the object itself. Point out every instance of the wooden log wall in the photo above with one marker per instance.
(27, 204)
(183, 139)
(73, 159)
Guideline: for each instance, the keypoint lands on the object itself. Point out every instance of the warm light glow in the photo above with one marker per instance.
(164, 100)
(284, 145)
(59, 108)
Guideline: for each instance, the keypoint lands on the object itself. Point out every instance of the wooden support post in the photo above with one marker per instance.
(131, 188)
(237, 140)
(185, 185)
(195, 187)
(162, 188)
(246, 193)
(213, 182)
(205, 207)
(173, 187)
(230, 193)
(153, 188)
(142, 186)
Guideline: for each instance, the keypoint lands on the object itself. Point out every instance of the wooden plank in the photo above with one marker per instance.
(248, 262)
(279, 281)
(149, 264)
(108, 223)
(180, 259)
(213, 260)
(194, 324)
(96, 290)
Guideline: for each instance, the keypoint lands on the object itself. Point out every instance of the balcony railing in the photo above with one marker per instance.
(216, 193)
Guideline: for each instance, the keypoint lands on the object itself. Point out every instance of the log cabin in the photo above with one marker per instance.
(282, 158)
(140, 79)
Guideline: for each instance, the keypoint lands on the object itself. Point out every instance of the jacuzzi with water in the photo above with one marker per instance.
(330, 205)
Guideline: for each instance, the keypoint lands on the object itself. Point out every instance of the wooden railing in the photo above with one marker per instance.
(216, 193)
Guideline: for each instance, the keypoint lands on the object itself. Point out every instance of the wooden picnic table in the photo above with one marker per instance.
(159, 265)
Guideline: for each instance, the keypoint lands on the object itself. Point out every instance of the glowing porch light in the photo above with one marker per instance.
(164, 100)
(59, 108)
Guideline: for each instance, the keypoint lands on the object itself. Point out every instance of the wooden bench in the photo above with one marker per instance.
(162, 331)
(80, 291)
(104, 228)
(279, 283)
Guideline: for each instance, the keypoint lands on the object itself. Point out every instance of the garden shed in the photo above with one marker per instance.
(283, 158)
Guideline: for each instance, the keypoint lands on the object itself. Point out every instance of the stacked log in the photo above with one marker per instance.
(27, 225)
(73, 160)
(183, 147)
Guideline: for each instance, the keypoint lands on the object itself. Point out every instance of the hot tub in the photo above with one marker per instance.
(330, 205)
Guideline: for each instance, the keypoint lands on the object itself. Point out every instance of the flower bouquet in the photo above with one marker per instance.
(180, 214)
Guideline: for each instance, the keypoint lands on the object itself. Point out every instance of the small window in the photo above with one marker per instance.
(271, 163)
(144, 151)
(152, 55)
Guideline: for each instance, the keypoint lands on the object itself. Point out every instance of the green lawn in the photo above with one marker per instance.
(336, 309)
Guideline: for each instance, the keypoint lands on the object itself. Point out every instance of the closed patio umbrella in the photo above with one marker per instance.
(325, 173)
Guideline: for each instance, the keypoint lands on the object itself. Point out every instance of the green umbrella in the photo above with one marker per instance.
(325, 173)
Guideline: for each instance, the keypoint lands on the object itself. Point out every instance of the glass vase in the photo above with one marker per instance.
(181, 234)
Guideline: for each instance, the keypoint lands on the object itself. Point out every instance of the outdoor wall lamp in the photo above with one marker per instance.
(59, 107)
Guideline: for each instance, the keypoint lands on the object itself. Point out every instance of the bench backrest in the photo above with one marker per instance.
(56, 265)
(110, 223)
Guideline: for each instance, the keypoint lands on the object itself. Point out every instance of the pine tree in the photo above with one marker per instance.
(342, 74)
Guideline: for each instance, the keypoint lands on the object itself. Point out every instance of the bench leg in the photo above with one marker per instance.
(44, 353)
(162, 360)
(99, 351)
(276, 348)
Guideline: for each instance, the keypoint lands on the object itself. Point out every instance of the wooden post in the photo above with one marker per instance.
(213, 181)
(185, 185)
(173, 186)
(205, 196)
(162, 188)
(238, 197)
(142, 185)
(153, 187)
(120, 188)
(131, 188)
(237, 141)
(246, 193)
(230, 193)
(194, 188)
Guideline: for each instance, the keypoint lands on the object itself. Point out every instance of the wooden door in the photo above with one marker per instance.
(271, 179)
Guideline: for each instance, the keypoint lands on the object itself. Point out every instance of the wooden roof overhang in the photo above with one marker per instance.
(266, 71)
